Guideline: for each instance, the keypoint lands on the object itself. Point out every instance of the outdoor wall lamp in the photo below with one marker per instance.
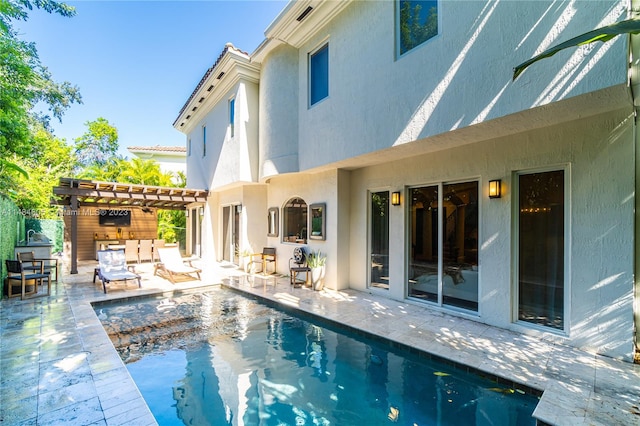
(395, 198)
(494, 188)
(201, 211)
(186, 212)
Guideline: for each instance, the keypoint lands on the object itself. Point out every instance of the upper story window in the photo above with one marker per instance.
(232, 115)
(204, 140)
(319, 74)
(416, 22)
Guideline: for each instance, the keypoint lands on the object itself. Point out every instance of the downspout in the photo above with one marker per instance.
(634, 88)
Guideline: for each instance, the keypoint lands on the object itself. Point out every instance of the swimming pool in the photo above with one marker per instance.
(218, 358)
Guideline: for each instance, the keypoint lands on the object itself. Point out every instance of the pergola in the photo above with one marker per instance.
(75, 193)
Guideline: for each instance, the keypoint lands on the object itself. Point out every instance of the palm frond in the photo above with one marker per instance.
(4, 164)
(603, 34)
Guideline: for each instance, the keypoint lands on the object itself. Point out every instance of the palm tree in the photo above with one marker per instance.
(145, 172)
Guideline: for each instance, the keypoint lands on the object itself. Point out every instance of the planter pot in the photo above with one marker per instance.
(246, 264)
(317, 278)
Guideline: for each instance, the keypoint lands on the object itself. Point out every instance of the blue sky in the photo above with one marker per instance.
(137, 62)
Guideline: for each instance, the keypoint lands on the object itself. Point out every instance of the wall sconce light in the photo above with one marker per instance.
(395, 198)
(201, 211)
(494, 188)
(186, 212)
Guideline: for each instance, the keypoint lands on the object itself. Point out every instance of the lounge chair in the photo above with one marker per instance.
(172, 263)
(112, 266)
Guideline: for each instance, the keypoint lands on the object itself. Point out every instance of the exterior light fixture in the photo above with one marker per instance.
(494, 188)
(201, 211)
(395, 198)
(186, 212)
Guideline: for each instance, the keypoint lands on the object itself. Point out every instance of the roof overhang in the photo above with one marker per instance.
(91, 193)
(297, 23)
(231, 66)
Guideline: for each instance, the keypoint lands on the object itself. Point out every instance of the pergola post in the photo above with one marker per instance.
(74, 234)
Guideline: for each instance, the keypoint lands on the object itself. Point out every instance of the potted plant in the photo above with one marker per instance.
(316, 262)
(245, 258)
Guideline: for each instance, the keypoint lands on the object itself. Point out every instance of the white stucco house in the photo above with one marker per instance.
(351, 131)
(171, 159)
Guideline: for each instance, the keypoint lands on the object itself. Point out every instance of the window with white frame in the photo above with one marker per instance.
(416, 22)
(204, 141)
(319, 74)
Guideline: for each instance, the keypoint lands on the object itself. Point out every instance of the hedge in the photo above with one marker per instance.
(11, 231)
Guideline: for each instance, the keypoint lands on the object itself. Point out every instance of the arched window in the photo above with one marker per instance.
(294, 221)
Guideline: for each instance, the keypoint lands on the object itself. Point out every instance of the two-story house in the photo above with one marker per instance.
(390, 136)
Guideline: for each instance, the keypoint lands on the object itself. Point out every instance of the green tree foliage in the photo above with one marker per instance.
(51, 159)
(24, 81)
(416, 26)
(108, 172)
(98, 145)
(172, 224)
(7, 166)
(145, 172)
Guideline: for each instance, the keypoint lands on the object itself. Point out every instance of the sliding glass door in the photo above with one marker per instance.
(443, 261)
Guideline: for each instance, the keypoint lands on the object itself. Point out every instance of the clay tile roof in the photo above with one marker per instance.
(227, 47)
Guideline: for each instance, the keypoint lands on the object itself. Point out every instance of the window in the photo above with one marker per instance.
(189, 147)
(319, 75)
(379, 240)
(541, 249)
(204, 140)
(232, 115)
(294, 221)
(443, 264)
(416, 22)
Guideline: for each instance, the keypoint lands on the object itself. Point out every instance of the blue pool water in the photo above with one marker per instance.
(220, 358)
